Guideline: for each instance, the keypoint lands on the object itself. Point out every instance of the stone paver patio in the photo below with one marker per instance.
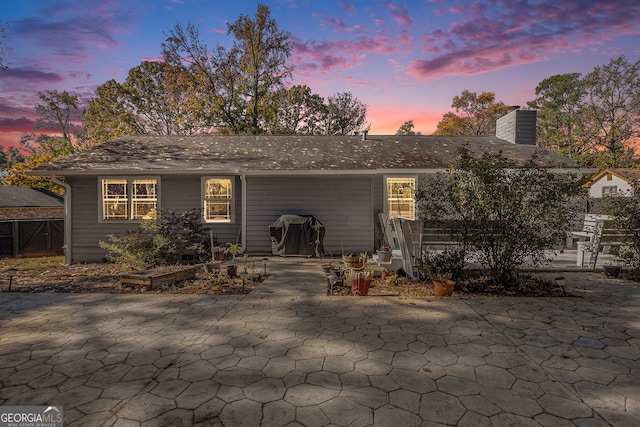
(288, 355)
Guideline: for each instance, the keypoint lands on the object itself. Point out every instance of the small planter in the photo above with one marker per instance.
(384, 256)
(360, 282)
(384, 275)
(151, 279)
(218, 254)
(612, 271)
(232, 270)
(360, 286)
(353, 261)
(443, 287)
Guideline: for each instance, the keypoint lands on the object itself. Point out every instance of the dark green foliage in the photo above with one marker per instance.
(593, 118)
(168, 240)
(626, 213)
(446, 264)
(503, 215)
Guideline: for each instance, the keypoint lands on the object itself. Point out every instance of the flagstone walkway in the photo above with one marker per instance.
(288, 355)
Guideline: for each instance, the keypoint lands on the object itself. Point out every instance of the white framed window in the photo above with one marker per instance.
(217, 197)
(124, 199)
(609, 191)
(401, 197)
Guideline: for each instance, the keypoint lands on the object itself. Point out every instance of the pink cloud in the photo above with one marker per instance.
(21, 124)
(400, 13)
(31, 75)
(10, 139)
(493, 36)
(324, 56)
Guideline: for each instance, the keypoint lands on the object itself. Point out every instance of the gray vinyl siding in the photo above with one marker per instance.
(343, 204)
(346, 205)
(87, 232)
(177, 193)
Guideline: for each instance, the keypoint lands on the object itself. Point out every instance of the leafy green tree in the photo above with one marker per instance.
(406, 128)
(614, 108)
(474, 115)
(55, 114)
(264, 51)
(16, 173)
(294, 111)
(625, 213)
(345, 114)
(503, 214)
(108, 115)
(595, 118)
(155, 99)
(238, 80)
(9, 157)
(560, 102)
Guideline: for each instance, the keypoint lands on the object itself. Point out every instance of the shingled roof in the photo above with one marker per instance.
(24, 197)
(256, 153)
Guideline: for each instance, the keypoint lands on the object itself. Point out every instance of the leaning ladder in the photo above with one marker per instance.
(595, 244)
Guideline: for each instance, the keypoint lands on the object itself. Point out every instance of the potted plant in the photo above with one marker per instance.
(442, 285)
(384, 254)
(355, 261)
(234, 249)
(441, 267)
(218, 253)
(360, 281)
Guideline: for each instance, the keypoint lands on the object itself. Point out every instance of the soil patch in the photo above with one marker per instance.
(50, 275)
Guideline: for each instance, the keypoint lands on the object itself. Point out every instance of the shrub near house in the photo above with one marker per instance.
(502, 215)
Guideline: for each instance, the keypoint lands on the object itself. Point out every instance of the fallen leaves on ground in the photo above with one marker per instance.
(105, 278)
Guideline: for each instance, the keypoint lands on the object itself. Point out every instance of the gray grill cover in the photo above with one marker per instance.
(297, 235)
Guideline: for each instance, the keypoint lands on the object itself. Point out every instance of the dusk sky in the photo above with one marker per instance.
(405, 59)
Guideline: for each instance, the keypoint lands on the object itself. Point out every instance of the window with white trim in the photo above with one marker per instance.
(129, 199)
(401, 197)
(218, 199)
(609, 191)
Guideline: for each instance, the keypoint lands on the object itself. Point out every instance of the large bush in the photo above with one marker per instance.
(504, 215)
(169, 239)
(626, 214)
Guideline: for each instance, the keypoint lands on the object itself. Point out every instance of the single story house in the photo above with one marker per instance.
(243, 183)
(613, 182)
(31, 222)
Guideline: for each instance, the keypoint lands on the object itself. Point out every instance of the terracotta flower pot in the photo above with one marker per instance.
(443, 287)
(360, 286)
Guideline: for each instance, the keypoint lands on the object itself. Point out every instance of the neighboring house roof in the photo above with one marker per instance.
(24, 197)
(257, 153)
(628, 175)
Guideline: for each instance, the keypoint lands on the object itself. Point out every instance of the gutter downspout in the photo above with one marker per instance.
(67, 219)
(243, 220)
